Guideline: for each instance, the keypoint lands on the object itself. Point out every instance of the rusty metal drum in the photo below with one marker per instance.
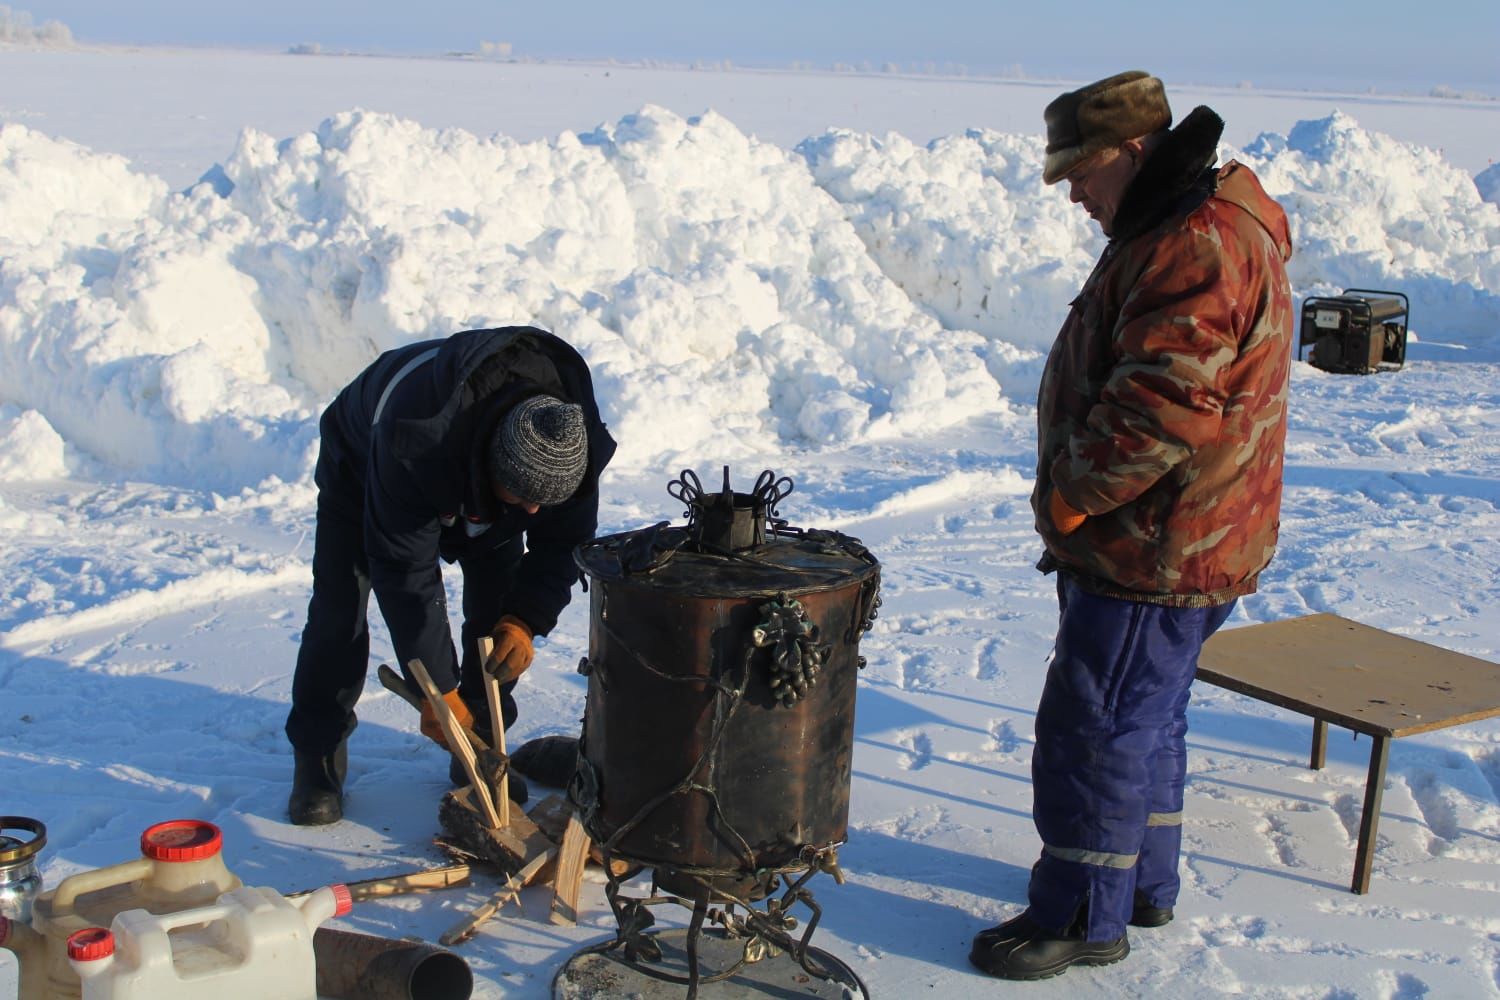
(722, 663)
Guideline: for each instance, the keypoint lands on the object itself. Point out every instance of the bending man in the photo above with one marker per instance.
(452, 450)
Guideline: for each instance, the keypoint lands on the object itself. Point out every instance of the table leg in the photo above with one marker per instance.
(1364, 853)
(1319, 745)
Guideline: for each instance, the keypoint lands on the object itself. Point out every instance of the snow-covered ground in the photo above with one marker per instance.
(763, 270)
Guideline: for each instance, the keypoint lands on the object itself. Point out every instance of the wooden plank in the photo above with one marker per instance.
(457, 743)
(568, 885)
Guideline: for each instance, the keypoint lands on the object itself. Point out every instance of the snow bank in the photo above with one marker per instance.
(29, 447)
(967, 228)
(964, 225)
(1369, 211)
(727, 292)
(1487, 182)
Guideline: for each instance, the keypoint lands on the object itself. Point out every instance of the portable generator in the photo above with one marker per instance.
(1358, 332)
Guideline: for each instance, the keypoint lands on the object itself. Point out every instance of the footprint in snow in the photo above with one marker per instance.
(918, 751)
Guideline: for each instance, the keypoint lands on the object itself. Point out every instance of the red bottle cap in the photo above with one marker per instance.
(343, 899)
(91, 944)
(181, 840)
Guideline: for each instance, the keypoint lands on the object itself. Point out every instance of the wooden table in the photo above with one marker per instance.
(1336, 670)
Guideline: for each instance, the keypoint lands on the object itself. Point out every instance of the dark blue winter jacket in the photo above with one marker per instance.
(409, 437)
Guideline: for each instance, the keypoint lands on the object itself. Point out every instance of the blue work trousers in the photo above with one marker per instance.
(1110, 759)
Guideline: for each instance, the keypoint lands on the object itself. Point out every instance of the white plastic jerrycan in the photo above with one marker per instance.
(253, 944)
(181, 866)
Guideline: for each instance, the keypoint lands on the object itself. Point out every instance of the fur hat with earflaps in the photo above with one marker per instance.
(1100, 116)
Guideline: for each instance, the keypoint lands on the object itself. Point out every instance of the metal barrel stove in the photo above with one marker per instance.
(719, 728)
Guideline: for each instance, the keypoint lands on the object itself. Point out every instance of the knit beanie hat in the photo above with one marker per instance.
(540, 449)
(1101, 116)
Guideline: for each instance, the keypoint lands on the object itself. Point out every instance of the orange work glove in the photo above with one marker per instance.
(1064, 517)
(430, 726)
(513, 651)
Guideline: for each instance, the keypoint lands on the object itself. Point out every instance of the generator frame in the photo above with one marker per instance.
(1363, 329)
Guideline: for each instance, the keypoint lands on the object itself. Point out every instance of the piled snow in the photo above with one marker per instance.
(29, 447)
(964, 225)
(722, 288)
(1369, 211)
(1487, 182)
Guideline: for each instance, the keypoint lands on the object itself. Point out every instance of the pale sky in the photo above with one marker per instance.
(1383, 45)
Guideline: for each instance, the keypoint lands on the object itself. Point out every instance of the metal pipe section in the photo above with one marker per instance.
(355, 966)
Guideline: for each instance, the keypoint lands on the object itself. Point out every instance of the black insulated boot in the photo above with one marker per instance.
(1143, 914)
(318, 787)
(548, 760)
(1020, 949)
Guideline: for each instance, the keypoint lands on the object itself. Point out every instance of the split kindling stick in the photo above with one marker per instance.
(395, 885)
(568, 883)
(497, 723)
(457, 742)
(466, 927)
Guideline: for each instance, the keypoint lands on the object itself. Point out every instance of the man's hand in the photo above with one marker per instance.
(1064, 517)
(433, 730)
(513, 651)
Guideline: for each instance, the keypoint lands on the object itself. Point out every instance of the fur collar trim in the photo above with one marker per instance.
(1176, 178)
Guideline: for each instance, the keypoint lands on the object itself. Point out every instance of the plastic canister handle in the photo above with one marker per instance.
(70, 888)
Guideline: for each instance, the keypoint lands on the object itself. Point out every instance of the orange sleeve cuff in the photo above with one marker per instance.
(1064, 517)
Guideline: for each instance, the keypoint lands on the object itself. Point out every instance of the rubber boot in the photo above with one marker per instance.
(549, 760)
(318, 787)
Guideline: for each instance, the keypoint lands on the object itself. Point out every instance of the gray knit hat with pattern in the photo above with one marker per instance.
(540, 450)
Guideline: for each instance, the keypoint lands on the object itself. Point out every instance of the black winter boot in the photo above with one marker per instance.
(318, 787)
(1143, 914)
(1020, 949)
(548, 760)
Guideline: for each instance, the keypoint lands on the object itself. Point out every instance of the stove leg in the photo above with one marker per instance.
(695, 927)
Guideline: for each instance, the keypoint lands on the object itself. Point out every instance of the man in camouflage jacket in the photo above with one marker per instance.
(1161, 423)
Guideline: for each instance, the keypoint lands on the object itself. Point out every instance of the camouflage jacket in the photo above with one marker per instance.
(1162, 409)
